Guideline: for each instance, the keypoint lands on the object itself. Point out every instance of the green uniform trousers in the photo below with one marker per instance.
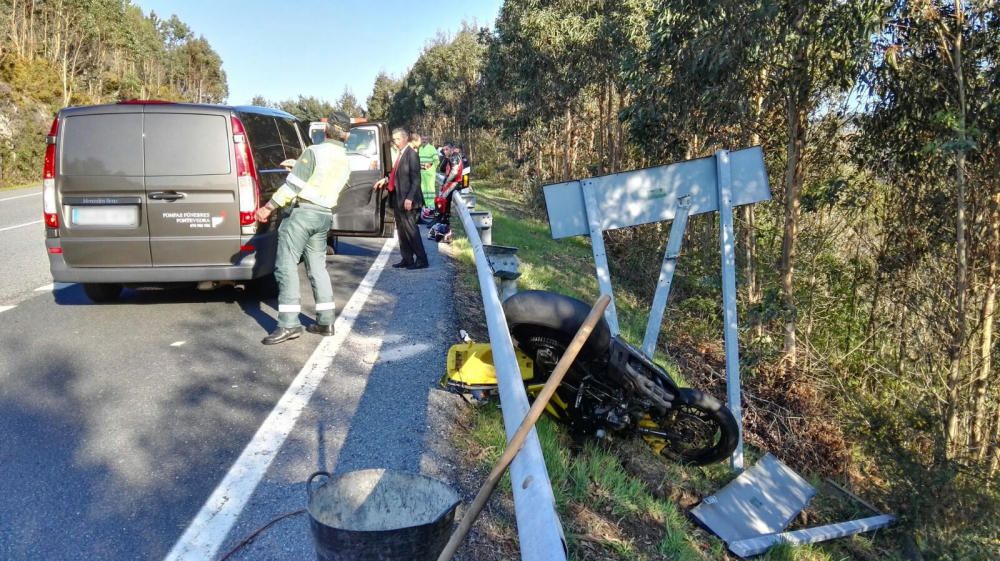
(303, 233)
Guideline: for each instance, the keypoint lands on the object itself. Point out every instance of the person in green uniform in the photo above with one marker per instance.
(428, 166)
(310, 192)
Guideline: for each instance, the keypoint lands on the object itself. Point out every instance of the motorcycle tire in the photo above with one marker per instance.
(538, 313)
(706, 430)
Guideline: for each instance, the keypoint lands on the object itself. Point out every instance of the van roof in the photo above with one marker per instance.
(124, 107)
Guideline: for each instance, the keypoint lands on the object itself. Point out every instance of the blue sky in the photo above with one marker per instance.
(282, 49)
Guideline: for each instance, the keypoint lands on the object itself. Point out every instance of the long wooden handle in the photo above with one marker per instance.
(515, 444)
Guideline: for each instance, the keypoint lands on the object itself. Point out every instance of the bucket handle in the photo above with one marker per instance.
(309, 488)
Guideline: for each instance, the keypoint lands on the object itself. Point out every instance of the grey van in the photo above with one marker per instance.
(149, 193)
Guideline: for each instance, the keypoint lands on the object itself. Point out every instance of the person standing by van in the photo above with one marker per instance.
(404, 188)
(311, 190)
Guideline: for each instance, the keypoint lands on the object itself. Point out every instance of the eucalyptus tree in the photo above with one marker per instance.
(439, 93)
(715, 69)
(554, 75)
(380, 100)
(933, 130)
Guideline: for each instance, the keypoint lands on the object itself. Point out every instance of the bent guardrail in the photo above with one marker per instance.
(538, 527)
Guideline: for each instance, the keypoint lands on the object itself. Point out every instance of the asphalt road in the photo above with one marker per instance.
(118, 421)
(22, 244)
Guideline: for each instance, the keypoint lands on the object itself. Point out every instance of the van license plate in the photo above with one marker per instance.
(120, 216)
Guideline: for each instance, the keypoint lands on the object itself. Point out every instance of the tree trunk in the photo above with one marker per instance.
(980, 383)
(954, 382)
(995, 445)
(754, 295)
(567, 143)
(620, 129)
(796, 116)
(600, 149)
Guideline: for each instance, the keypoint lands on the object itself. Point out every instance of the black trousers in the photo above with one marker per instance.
(411, 244)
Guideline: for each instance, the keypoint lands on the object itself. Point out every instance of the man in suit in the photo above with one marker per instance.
(406, 199)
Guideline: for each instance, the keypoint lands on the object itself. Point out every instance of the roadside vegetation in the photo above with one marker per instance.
(617, 498)
(54, 54)
(867, 285)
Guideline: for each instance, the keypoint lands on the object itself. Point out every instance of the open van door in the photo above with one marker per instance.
(360, 210)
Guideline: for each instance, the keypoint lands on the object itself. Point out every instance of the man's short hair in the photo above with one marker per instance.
(402, 132)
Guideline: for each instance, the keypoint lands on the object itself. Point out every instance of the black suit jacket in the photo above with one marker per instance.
(408, 179)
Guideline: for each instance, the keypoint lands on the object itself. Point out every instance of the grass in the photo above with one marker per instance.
(616, 498)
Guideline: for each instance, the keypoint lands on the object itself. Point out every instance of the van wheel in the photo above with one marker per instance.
(101, 293)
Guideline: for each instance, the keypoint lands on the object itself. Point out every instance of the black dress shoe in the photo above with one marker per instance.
(419, 265)
(402, 265)
(320, 329)
(282, 334)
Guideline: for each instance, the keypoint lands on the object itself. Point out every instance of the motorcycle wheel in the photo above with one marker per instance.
(537, 313)
(705, 430)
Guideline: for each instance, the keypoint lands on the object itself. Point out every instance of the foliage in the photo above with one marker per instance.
(438, 96)
(74, 52)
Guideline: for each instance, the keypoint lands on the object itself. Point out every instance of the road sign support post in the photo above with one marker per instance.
(727, 250)
(600, 254)
(666, 276)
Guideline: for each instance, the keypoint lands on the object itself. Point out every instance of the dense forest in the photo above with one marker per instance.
(55, 53)
(868, 285)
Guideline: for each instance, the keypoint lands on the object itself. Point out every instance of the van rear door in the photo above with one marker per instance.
(99, 179)
(360, 211)
(191, 187)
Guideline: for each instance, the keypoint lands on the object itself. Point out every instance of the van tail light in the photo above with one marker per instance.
(247, 180)
(50, 211)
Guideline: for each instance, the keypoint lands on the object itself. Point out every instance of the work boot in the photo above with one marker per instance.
(282, 334)
(320, 329)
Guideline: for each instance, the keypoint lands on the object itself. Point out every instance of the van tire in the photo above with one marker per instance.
(103, 292)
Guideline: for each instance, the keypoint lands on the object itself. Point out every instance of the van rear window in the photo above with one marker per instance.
(264, 140)
(101, 144)
(186, 144)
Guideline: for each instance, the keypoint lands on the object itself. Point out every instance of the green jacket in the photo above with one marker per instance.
(428, 155)
(318, 176)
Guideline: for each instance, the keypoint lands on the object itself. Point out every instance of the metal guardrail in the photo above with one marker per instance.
(538, 527)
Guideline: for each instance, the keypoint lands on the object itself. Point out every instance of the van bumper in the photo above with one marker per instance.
(251, 265)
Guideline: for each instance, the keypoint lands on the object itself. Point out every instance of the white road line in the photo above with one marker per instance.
(206, 533)
(21, 197)
(20, 225)
(5, 308)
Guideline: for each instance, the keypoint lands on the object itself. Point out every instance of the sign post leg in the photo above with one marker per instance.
(728, 250)
(600, 254)
(666, 276)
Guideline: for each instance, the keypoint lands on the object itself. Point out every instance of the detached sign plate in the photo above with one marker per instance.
(644, 196)
(762, 500)
(123, 216)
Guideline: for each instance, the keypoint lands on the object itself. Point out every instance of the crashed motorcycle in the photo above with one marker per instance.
(613, 387)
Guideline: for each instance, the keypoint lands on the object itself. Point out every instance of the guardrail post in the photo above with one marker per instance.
(484, 225)
(506, 268)
(469, 197)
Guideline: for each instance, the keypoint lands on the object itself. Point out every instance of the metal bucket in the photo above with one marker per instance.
(380, 515)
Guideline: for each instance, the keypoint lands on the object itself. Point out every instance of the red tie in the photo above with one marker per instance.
(392, 174)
